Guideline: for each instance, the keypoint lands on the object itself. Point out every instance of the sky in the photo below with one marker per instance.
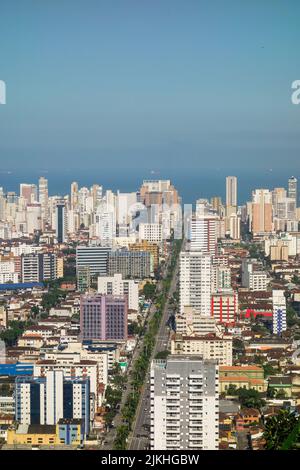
(126, 84)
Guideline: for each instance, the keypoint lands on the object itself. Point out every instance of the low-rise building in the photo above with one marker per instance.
(67, 432)
(242, 377)
(209, 347)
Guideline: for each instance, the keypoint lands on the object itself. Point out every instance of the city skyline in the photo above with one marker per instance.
(191, 186)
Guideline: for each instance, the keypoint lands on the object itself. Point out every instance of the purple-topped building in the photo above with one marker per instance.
(103, 317)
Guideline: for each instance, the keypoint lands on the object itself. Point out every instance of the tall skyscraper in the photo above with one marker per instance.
(33, 217)
(293, 189)
(61, 221)
(262, 217)
(28, 192)
(74, 196)
(103, 317)
(231, 191)
(184, 404)
(43, 199)
(234, 226)
(204, 234)
(195, 281)
(216, 203)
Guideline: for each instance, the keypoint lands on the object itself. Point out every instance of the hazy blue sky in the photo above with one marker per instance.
(148, 83)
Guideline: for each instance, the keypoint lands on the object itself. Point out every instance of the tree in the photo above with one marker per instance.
(14, 330)
(269, 370)
(281, 394)
(258, 359)
(149, 290)
(238, 345)
(291, 316)
(121, 439)
(134, 328)
(113, 396)
(271, 393)
(278, 428)
(296, 279)
(250, 398)
(162, 354)
(35, 311)
(232, 390)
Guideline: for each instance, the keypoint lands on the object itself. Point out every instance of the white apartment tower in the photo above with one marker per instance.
(292, 188)
(231, 191)
(116, 285)
(204, 234)
(184, 404)
(43, 200)
(195, 281)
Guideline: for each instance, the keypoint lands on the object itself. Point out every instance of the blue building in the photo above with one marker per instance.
(46, 400)
(69, 430)
(15, 370)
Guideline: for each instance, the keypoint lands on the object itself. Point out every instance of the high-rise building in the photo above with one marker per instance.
(47, 399)
(116, 285)
(152, 248)
(83, 278)
(93, 257)
(158, 192)
(285, 208)
(43, 200)
(39, 267)
(216, 203)
(195, 281)
(150, 232)
(164, 205)
(103, 317)
(235, 226)
(279, 250)
(224, 306)
(277, 194)
(293, 189)
(28, 192)
(253, 275)
(209, 347)
(190, 323)
(204, 234)
(131, 264)
(231, 191)
(61, 221)
(262, 218)
(74, 196)
(105, 220)
(279, 312)
(184, 404)
(33, 217)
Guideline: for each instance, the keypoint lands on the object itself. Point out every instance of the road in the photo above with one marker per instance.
(111, 434)
(140, 437)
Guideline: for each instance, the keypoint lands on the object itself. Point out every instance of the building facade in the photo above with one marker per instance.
(103, 317)
(45, 400)
(184, 404)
